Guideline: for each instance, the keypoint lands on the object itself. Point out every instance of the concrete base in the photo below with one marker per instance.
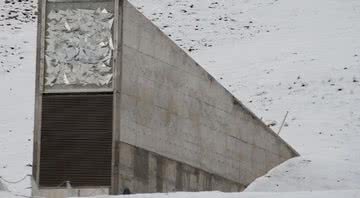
(62, 192)
(144, 172)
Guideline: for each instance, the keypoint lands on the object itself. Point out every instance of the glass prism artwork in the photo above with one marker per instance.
(79, 49)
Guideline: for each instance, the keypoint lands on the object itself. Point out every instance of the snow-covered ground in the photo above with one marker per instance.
(317, 194)
(327, 194)
(274, 55)
(17, 84)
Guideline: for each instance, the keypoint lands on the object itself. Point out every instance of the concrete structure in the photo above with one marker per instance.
(175, 128)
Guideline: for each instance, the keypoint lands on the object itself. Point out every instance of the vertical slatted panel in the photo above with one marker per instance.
(76, 140)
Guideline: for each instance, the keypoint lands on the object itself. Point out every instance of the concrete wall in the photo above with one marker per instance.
(61, 192)
(145, 172)
(172, 107)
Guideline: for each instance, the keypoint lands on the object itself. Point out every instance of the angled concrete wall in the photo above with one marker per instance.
(172, 107)
(143, 171)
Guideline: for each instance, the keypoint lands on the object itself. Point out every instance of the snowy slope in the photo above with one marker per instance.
(274, 55)
(320, 194)
(17, 80)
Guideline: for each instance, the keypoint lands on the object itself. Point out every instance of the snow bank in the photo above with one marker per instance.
(3, 187)
(324, 194)
(319, 194)
(5, 194)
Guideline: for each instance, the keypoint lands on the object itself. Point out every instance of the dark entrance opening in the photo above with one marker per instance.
(76, 140)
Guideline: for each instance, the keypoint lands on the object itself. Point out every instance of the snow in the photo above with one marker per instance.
(17, 88)
(327, 194)
(274, 55)
(6, 194)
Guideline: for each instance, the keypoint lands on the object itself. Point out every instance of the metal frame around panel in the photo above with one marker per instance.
(39, 87)
(36, 118)
(62, 91)
(117, 66)
(74, 1)
(40, 69)
(72, 90)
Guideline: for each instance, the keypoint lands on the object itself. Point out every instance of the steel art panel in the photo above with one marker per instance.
(79, 49)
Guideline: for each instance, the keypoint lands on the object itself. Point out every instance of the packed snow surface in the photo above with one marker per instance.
(276, 56)
(327, 194)
(319, 194)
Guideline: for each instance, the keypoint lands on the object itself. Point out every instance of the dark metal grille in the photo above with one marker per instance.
(76, 140)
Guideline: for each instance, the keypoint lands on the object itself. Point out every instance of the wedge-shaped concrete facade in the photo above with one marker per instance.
(174, 127)
(171, 106)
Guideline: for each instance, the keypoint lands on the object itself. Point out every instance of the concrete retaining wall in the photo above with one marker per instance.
(145, 172)
(172, 107)
(63, 192)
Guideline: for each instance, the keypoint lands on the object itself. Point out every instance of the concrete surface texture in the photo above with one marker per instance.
(71, 192)
(172, 107)
(142, 171)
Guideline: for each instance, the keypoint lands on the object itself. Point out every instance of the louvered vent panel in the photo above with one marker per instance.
(76, 140)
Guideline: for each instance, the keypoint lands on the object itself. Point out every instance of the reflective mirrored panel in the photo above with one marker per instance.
(79, 45)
